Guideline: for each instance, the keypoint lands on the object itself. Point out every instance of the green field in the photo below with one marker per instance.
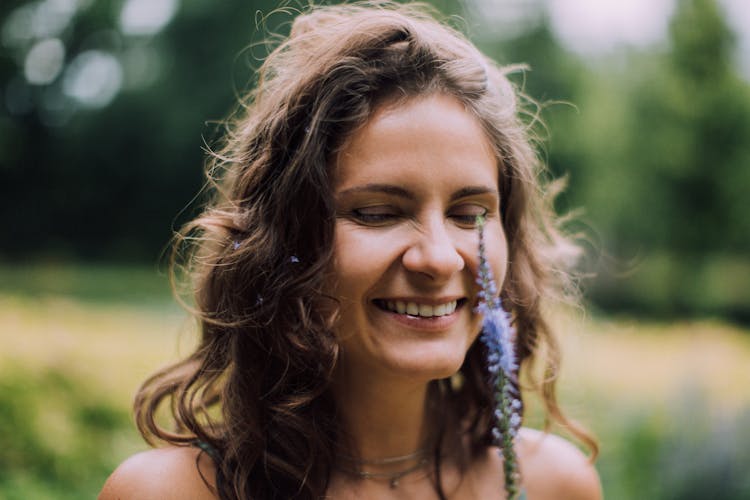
(669, 401)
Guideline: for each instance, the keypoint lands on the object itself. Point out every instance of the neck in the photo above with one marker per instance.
(382, 416)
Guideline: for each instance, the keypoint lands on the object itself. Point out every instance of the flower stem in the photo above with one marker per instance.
(498, 336)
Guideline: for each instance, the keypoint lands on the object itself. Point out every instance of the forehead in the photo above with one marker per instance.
(430, 140)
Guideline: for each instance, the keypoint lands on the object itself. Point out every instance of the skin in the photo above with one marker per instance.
(408, 186)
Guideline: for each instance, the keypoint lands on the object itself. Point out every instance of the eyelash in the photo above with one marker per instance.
(381, 218)
(471, 219)
(372, 218)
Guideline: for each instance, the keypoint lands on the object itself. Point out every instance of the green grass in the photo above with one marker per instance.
(103, 283)
(669, 402)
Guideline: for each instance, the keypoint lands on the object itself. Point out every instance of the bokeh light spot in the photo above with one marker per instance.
(17, 26)
(44, 61)
(93, 78)
(52, 17)
(146, 17)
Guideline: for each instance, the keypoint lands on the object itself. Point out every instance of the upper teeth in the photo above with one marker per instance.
(425, 310)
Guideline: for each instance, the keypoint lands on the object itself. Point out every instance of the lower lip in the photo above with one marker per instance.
(433, 324)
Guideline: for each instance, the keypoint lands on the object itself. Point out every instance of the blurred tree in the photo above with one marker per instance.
(679, 203)
(88, 178)
(691, 139)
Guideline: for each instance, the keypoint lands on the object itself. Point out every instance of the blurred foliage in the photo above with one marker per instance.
(654, 142)
(676, 452)
(58, 436)
(655, 145)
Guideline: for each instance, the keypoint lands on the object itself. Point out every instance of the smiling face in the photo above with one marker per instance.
(408, 187)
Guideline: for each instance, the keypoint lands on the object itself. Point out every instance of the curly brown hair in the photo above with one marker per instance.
(257, 388)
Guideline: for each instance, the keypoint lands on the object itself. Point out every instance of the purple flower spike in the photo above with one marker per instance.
(498, 336)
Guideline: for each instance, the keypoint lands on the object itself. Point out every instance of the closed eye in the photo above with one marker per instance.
(375, 215)
(466, 215)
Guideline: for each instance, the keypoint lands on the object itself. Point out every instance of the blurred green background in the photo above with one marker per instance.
(107, 107)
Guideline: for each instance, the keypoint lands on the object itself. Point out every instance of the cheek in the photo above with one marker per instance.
(499, 261)
(345, 262)
(497, 243)
(358, 261)
(496, 252)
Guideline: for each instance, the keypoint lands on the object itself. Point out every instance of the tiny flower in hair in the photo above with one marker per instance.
(294, 259)
(236, 245)
(498, 336)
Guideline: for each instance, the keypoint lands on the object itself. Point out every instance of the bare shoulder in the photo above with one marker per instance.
(165, 473)
(554, 468)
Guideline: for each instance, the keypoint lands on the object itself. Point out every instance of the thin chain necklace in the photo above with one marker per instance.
(392, 478)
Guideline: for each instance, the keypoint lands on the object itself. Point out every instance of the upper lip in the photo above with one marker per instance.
(432, 301)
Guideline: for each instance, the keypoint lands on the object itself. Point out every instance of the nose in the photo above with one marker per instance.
(433, 253)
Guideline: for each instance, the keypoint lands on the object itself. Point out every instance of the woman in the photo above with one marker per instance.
(335, 272)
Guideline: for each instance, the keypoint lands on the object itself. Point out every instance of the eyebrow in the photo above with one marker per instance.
(379, 188)
(467, 191)
(400, 192)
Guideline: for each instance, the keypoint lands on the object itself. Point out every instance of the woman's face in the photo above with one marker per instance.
(408, 187)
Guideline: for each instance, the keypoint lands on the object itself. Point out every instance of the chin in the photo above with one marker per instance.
(425, 364)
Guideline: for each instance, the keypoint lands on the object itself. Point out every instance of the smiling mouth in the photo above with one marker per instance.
(419, 310)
